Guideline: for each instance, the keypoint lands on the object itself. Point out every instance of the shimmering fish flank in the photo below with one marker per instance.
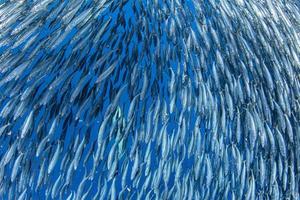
(140, 99)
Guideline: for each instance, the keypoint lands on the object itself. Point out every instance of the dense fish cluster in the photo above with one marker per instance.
(140, 99)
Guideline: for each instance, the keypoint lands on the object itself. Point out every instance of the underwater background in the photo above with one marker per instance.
(149, 99)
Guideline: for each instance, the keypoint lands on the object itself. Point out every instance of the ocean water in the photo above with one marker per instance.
(175, 99)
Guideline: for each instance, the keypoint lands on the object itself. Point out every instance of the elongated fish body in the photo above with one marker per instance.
(140, 99)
